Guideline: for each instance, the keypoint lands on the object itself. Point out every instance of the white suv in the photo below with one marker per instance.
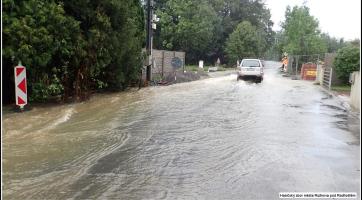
(252, 68)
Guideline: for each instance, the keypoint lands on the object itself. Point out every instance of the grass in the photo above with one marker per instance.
(221, 69)
(341, 88)
(195, 68)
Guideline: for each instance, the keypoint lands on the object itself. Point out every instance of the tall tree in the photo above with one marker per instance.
(189, 26)
(114, 30)
(70, 47)
(232, 12)
(333, 44)
(44, 39)
(222, 18)
(245, 41)
(301, 32)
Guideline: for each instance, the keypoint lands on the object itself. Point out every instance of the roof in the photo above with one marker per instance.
(251, 59)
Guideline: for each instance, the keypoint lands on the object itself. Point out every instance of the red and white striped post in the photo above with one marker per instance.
(20, 86)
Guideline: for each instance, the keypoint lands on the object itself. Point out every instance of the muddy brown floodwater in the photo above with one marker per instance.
(216, 138)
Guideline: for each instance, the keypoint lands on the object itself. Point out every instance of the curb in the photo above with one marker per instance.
(345, 104)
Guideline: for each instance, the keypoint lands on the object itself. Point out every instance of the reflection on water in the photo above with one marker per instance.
(210, 139)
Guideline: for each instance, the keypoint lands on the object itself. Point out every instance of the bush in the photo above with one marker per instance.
(347, 61)
(70, 47)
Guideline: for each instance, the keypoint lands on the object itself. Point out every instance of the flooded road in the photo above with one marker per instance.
(210, 139)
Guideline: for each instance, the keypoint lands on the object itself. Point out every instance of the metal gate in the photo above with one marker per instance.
(327, 77)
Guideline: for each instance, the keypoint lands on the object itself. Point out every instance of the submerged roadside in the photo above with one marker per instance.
(213, 138)
(339, 100)
(170, 79)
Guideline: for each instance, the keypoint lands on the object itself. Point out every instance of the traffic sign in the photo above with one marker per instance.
(20, 86)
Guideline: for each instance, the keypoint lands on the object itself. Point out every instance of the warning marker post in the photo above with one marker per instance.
(21, 96)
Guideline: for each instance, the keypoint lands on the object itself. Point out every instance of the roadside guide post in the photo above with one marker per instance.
(201, 64)
(20, 86)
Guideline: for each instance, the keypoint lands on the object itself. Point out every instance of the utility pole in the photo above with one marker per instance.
(149, 39)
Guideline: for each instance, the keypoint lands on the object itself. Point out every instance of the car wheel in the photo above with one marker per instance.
(258, 80)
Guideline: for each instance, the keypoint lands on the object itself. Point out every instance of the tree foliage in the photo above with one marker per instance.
(189, 26)
(347, 61)
(301, 32)
(70, 47)
(233, 12)
(333, 44)
(201, 28)
(44, 39)
(245, 41)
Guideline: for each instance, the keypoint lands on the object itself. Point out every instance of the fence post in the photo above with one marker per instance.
(183, 62)
(163, 63)
(317, 74)
(330, 79)
(290, 65)
(296, 66)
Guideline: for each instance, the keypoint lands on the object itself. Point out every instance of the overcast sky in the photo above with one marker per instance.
(339, 18)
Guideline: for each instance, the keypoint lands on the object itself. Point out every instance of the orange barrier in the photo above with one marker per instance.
(309, 71)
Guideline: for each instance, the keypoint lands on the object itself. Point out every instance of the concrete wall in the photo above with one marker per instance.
(320, 73)
(356, 90)
(162, 61)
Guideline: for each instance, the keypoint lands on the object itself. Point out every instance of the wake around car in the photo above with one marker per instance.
(251, 68)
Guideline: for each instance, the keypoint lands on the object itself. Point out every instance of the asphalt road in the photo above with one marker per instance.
(216, 138)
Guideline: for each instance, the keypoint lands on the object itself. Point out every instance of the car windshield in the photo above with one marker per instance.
(250, 63)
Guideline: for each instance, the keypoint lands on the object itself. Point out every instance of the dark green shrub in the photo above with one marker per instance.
(347, 61)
